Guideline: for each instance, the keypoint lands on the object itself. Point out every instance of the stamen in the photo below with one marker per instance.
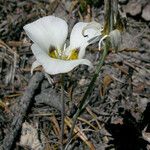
(65, 47)
(55, 53)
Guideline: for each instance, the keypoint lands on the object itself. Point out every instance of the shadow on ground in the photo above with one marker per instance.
(128, 136)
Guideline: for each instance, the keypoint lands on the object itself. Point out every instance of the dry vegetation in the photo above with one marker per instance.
(119, 109)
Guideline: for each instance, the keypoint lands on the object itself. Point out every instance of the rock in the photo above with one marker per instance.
(133, 9)
(146, 12)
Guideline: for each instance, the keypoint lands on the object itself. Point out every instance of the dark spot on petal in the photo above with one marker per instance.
(52, 48)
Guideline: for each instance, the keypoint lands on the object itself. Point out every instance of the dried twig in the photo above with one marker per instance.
(23, 107)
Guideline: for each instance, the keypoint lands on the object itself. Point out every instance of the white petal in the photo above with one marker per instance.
(47, 31)
(34, 65)
(56, 66)
(77, 40)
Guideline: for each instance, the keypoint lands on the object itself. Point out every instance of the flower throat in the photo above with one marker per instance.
(55, 53)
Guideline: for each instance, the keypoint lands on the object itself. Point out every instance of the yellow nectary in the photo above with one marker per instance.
(53, 53)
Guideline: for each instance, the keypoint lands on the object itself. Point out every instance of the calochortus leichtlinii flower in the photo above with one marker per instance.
(49, 36)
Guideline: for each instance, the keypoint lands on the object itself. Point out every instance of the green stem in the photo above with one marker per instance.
(108, 27)
(84, 100)
(62, 111)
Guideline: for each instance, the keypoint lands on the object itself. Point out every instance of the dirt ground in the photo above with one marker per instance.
(118, 115)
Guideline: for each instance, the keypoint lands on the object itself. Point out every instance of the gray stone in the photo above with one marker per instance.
(146, 12)
(133, 8)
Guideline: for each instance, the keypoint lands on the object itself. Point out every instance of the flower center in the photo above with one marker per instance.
(54, 53)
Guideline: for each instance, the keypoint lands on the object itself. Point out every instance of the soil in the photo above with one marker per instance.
(117, 116)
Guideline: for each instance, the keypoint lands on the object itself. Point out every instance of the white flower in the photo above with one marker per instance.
(49, 35)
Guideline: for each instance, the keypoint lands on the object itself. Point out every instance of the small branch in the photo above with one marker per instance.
(21, 112)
